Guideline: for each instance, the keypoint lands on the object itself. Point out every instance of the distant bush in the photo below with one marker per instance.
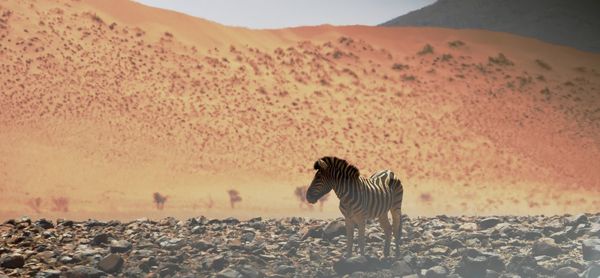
(159, 200)
(35, 204)
(427, 49)
(60, 204)
(543, 64)
(234, 197)
(399, 66)
(456, 44)
(500, 60)
(407, 77)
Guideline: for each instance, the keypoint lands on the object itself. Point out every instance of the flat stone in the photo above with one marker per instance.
(401, 268)
(49, 273)
(120, 246)
(250, 271)
(468, 227)
(546, 246)
(285, 269)
(593, 271)
(333, 229)
(102, 238)
(489, 222)
(111, 263)
(567, 272)
(436, 272)
(44, 224)
(346, 266)
(591, 249)
(84, 272)
(12, 261)
(229, 273)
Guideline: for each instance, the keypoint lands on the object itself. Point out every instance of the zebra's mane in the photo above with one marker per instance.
(342, 166)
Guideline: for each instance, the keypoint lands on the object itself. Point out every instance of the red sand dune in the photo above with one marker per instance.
(104, 103)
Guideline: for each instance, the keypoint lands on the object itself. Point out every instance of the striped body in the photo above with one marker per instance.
(370, 197)
(360, 198)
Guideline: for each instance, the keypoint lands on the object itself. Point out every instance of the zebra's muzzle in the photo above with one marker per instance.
(311, 199)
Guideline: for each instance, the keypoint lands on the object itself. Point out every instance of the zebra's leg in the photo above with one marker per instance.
(387, 229)
(349, 236)
(397, 227)
(361, 235)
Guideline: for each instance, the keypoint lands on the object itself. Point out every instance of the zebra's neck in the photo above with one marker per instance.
(344, 187)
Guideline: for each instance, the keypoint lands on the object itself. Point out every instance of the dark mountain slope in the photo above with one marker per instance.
(571, 23)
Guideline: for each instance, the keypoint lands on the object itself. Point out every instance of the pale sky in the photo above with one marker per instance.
(290, 13)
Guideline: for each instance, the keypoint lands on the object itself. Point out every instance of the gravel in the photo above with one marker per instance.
(442, 246)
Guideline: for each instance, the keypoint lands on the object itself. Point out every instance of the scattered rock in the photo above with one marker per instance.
(567, 272)
(101, 238)
(84, 272)
(333, 229)
(346, 266)
(545, 246)
(120, 246)
(229, 273)
(44, 224)
(401, 268)
(111, 263)
(436, 272)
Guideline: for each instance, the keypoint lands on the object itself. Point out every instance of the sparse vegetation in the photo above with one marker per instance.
(456, 44)
(427, 49)
(543, 64)
(500, 60)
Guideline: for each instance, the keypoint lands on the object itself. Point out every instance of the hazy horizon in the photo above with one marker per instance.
(283, 14)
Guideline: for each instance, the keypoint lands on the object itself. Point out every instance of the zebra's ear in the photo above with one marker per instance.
(320, 165)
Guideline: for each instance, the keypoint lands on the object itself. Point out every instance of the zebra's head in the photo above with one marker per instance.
(331, 171)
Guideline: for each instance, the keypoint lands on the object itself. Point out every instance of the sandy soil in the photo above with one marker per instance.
(103, 103)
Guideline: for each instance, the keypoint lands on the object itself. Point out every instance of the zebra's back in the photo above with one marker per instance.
(375, 195)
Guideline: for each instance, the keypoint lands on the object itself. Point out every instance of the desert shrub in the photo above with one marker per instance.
(524, 80)
(456, 44)
(399, 66)
(446, 57)
(427, 49)
(407, 77)
(543, 64)
(500, 60)
(580, 69)
(337, 54)
(426, 197)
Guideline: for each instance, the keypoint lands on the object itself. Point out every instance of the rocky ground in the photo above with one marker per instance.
(442, 246)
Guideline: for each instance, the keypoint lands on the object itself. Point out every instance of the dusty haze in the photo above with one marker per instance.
(104, 103)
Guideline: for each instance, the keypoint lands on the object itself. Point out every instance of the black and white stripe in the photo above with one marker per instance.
(360, 199)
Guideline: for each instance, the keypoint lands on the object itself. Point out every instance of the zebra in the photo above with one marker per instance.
(361, 198)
